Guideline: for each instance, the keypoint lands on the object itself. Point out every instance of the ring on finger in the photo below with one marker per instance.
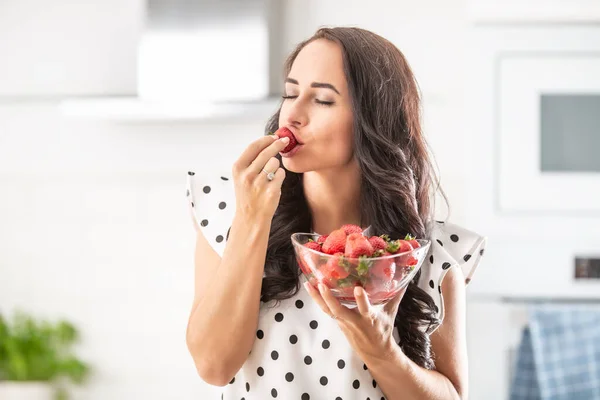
(270, 175)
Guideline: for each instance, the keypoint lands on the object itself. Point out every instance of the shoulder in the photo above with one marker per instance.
(452, 247)
(211, 201)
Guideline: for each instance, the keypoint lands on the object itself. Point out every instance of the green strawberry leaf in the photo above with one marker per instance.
(378, 253)
(393, 246)
(363, 265)
(409, 237)
(346, 282)
(385, 237)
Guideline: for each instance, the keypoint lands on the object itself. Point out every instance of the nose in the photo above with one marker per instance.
(294, 113)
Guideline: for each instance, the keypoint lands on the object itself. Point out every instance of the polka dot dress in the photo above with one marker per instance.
(299, 351)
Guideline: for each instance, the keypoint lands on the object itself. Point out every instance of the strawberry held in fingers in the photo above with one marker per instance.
(285, 132)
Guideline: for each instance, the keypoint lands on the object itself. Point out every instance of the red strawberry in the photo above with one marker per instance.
(335, 242)
(377, 243)
(313, 245)
(285, 132)
(358, 245)
(351, 228)
(399, 246)
(334, 268)
(413, 241)
(384, 269)
(322, 239)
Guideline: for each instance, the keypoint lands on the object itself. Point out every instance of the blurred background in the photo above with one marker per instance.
(105, 106)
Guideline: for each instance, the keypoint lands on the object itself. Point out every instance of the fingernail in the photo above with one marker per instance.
(306, 285)
(357, 291)
(285, 139)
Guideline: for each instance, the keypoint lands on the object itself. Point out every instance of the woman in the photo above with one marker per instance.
(352, 102)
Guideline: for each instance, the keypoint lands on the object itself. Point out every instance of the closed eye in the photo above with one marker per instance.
(325, 103)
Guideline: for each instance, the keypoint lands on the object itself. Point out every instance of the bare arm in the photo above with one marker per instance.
(401, 379)
(222, 325)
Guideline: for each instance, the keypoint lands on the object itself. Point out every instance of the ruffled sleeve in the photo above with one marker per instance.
(452, 246)
(211, 201)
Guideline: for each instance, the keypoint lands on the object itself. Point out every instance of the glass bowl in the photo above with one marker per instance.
(381, 277)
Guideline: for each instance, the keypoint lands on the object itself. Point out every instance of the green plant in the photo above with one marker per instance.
(39, 350)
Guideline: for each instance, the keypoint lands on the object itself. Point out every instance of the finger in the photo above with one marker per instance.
(337, 309)
(254, 149)
(270, 151)
(317, 298)
(363, 303)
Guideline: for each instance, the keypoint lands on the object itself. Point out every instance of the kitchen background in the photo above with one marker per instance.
(103, 111)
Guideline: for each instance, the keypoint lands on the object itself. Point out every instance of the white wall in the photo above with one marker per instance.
(93, 219)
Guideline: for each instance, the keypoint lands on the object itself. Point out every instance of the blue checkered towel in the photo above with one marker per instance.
(559, 355)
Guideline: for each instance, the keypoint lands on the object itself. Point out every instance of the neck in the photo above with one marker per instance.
(333, 197)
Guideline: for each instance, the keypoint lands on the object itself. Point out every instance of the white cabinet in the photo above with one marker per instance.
(64, 47)
(493, 334)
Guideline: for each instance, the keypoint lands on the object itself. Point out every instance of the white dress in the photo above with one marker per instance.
(299, 351)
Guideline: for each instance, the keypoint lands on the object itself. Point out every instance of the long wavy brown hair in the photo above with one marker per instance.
(397, 178)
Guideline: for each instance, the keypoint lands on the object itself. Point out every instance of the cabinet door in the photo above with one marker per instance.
(493, 334)
(58, 48)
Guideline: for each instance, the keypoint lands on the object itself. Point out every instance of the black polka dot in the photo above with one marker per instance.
(446, 265)
(299, 304)
(224, 179)
(307, 360)
(232, 380)
(260, 371)
(467, 257)
(341, 364)
(227, 237)
(481, 252)
(289, 377)
(247, 387)
(279, 317)
(431, 258)
(467, 281)
(374, 383)
(325, 344)
(206, 189)
(431, 284)
(365, 367)
(440, 289)
(192, 204)
(338, 398)
(204, 222)
(440, 242)
(356, 384)
(323, 380)
(435, 307)
(219, 238)
(454, 238)
(274, 392)
(314, 324)
(260, 334)
(222, 205)
(293, 339)
(191, 173)
(274, 355)
(187, 192)
(305, 396)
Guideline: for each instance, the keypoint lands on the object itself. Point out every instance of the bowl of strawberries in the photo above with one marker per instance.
(349, 257)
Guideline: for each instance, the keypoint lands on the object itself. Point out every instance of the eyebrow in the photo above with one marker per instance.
(315, 85)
